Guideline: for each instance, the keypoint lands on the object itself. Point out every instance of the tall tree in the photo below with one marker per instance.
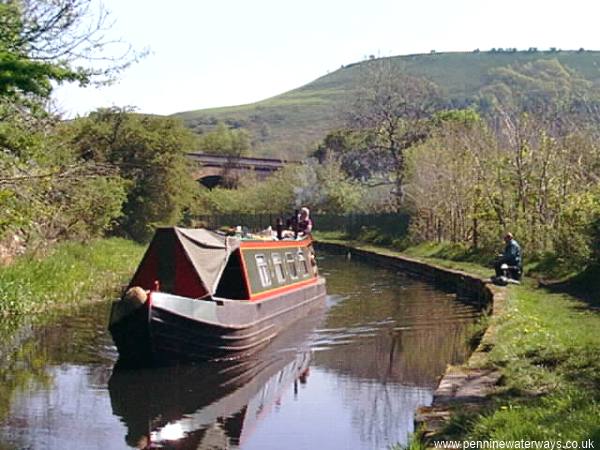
(392, 109)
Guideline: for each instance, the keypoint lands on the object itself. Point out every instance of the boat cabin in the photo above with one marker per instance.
(259, 269)
(198, 263)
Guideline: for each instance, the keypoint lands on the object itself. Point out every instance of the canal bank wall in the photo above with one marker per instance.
(461, 388)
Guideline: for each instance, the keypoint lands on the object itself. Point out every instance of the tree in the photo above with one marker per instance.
(545, 89)
(392, 109)
(147, 151)
(324, 187)
(356, 152)
(471, 182)
(446, 184)
(48, 190)
(337, 193)
(42, 41)
(224, 141)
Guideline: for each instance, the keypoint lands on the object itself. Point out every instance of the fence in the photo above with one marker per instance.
(391, 224)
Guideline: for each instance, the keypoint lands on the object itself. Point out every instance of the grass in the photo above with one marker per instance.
(70, 274)
(547, 348)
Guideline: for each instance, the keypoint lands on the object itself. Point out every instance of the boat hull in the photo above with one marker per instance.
(168, 328)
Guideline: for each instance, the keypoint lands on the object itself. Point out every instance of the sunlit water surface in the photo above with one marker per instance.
(349, 378)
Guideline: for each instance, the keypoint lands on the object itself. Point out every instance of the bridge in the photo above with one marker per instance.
(212, 170)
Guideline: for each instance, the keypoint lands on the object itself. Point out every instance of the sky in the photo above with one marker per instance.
(211, 53)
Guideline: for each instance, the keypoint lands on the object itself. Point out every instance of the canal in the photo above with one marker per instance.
(349, 378)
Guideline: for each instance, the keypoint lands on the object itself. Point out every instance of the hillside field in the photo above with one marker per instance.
(289, 125)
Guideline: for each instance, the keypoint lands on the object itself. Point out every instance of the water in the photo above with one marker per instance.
(350, 378)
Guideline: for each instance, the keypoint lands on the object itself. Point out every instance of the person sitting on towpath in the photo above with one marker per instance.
(511, 257)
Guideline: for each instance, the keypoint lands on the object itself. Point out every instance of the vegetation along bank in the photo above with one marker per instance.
(68, 275)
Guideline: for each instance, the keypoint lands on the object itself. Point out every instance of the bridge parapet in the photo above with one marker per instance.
(213, 167)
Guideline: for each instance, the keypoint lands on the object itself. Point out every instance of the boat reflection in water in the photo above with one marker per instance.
(209, 405)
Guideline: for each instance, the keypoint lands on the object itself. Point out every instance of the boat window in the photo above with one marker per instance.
(291, 265)
(302, 264)
(263, 270)
(278, 263)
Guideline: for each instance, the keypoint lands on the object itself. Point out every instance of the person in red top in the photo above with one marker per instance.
(304, 222)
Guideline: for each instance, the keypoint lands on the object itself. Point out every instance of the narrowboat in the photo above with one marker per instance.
(198, 295)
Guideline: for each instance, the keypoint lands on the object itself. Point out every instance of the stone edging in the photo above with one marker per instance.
(466, 386)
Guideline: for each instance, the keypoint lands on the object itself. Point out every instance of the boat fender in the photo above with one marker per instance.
(135, 297)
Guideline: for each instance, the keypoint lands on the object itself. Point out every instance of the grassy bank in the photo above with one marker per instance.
(71, 273)
(36, 289)
(547, 347)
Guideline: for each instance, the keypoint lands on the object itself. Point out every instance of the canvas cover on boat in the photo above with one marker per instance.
(185, 261)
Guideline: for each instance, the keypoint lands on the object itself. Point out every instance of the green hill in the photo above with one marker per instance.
(289, 125)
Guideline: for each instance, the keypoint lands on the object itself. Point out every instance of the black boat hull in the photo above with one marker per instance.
(168, 328)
